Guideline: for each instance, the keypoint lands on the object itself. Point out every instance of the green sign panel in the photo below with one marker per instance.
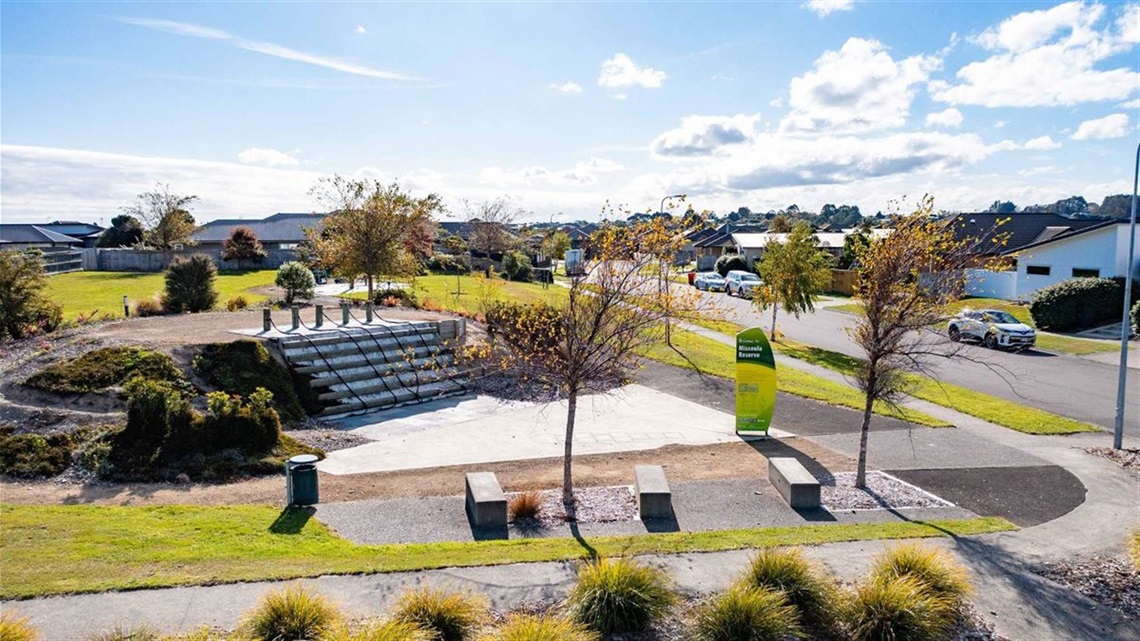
(755, 382)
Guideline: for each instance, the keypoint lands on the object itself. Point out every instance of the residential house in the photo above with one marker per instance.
(751, 245)
(279, 231)
(88, 233)
(713, 246)
(1003, 234)
(43, 237)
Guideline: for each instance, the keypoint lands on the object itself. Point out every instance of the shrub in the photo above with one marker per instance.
(899, 608)
(15, 628)
(292, 613)
(812, 594)
(236, 303)
(619, 595)
(243, 246)
(535, 328)
(24, 308)
(747, 614)
(932, 567)
(402, 295)
(449, 616)
(1135, 314)
(33, 455)
(1076, 304)
(105, 367)
(449, 264)
(529, 627)
(296, 281)
(156, 413)
(190, 284)
(516, 266)
(240, 367)
(149, 307)
(730, 262)
(525, 505)
(249, 425)
(390, 631)
(143, 632)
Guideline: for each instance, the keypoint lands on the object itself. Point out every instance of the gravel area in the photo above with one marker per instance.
(329, 440)
(1128, 459)
(592, 505)
(1110, 581)
(838, 492)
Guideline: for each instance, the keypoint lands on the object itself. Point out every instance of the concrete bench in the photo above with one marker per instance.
(654, 500)
(486, 503)
(792, 480)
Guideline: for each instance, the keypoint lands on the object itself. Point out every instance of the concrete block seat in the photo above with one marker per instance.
(794, 483)
(654, 499)
(486, 503)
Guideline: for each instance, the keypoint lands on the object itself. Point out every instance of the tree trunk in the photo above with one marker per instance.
(774, 308)
(861, 475)
(567, 478)
(368, 278)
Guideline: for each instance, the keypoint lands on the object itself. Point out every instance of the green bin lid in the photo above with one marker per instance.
(302, 459)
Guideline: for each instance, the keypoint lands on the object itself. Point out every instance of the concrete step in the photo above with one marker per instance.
(383, 385)
(405, 396)
(331, 334)
(356, 360)
(327, 378)
(311, 355)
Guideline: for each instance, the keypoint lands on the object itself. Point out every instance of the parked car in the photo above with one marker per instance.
(709, 282)
(741, 283)
(993, 328)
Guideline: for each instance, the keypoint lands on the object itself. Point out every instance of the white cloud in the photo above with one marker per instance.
(566, 87)
(586, 172)
(267, 48)
(361, 30)
(620, 96)
(824, 7)
(1114, 126)
(948, 118)
(1042, 143)
(776, 103)
(1000, 124)
(1046, 58)
(859, 87)
(621, 71)
(267, 158)
(705, 135)
(1131, 104)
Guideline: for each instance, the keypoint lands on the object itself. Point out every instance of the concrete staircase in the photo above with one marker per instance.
(377, 366)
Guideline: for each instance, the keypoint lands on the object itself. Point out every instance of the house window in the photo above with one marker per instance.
(1085, 273)
(1037, 270)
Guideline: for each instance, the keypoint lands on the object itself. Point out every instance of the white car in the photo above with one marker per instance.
(709, 282)
(993, 328)
(741, 283)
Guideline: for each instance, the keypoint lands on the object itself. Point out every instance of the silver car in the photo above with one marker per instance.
(741, 283)
(709, 282)
(993, 328)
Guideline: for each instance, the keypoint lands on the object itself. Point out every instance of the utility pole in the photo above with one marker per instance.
(1118, 431)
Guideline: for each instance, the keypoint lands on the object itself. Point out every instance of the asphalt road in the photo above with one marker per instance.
(1068, 385)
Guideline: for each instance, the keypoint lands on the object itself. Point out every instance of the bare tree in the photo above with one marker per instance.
(906, 282)
(165, 217)
(488, 224)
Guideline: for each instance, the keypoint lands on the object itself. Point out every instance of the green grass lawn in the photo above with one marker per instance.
(718, 359)
(1045, 340)
(466, 294)
(48, 550)
(84, 292)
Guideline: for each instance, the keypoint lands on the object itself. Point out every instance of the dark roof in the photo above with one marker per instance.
(73, 228)
(1017, 230)
(278, 228)
(33, 234)
(716, 240)
(697, 235)
(455, 228)
(1055, 237)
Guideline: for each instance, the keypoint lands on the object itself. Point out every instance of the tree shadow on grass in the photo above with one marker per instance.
(292, 520)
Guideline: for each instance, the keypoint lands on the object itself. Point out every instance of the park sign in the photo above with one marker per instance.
(755, 382)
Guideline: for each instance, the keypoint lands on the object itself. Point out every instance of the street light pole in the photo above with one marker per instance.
(1118, 431)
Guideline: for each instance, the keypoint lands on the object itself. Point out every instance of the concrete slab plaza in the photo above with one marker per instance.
(481, 429)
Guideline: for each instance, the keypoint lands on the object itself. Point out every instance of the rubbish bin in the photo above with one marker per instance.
(301, 492)
(692, 276)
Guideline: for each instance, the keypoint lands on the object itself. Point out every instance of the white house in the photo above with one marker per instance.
(751, 246)
(1097, 251)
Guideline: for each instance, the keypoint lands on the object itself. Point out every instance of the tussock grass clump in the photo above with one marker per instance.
(525, 505)
(529, 627)
(814, 595)
(292, 613)
(16, 628)
(141, 632)
(747, 614)
(446, 615)
(389, 631)
(105, 367)
(620, 595)
(899, 608)
(934, 568)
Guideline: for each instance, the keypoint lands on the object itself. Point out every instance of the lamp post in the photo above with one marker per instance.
(1118, 431)
(661, 208)
(663, 277)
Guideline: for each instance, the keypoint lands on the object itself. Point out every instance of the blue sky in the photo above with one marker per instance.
(565, 106)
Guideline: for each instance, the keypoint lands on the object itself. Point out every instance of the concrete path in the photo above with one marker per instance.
(483, 429)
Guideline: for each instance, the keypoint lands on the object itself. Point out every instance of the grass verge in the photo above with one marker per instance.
(465, 293)
(718, 359)
(84, 292)
(47, 550)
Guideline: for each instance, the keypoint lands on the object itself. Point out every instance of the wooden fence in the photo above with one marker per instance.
(843, 281)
